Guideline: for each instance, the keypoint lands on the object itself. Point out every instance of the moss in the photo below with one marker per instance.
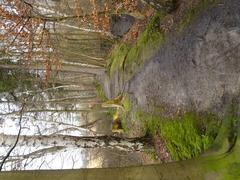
(186, 136)
(233, 171)
(100, 92)
(127, 106)
(227, 145)
(149, 41)
(122, 112)
(117, 57)
(130, 57)
(183, 139)
(124, 125)
(126, 102)
(110, 113)
(229, 127)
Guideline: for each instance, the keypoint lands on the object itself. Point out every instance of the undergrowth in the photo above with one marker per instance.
(100, 92)
(113, 112)
(185, 136)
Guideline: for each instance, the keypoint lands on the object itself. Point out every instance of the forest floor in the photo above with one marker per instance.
(179, 77)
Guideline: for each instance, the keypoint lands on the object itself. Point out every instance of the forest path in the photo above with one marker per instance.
(197, 68)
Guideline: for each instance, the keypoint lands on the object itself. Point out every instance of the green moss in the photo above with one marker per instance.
(124, 125)
(229, 128)
(100, 92)
(183, 138)
(186, 136)
(149, 41)
(127, 105)
(130, 57)
(227, 145)
(117, 57)
(111, 112)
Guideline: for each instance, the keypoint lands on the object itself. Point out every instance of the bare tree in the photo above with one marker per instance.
(16, 139)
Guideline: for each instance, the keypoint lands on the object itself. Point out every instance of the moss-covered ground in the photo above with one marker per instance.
(129, 57)
(186, 135)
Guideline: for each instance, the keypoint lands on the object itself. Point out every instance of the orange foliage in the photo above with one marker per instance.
(26, 34)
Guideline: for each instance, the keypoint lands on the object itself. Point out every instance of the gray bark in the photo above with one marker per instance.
(74, 141)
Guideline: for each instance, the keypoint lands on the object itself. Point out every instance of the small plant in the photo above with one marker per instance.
(151, 153)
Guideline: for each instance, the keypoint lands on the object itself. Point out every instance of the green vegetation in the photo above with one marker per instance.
(186, 136)
(124, 125)
(100, 92)
(117, 57)
(130, 57)
(227, 144)
(111, 112)
(151, 153)
(124, 113)
(7, 84)
(183, 138)
(126, 103)
(12, 79)
(8, 80)
(229, 127)
(114, 111)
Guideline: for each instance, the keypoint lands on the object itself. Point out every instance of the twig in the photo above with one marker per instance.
(15, 144)
(24, 25)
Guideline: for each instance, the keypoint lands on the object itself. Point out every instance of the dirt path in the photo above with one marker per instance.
(197, 68)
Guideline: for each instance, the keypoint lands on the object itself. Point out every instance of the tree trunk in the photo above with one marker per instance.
(74, 141)
(221, 162)
(223, 166)
(68, 68)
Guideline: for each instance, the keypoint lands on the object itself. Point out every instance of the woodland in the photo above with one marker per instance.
(119, 89)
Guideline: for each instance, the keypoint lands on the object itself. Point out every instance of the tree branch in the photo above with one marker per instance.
(15, 144)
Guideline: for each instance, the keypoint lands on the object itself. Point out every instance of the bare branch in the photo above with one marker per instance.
(18, 136)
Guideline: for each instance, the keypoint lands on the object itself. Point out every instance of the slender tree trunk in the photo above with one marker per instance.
(215, 166)
(220, 162)
(225, 166)
(74, 141)
(69, 68)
